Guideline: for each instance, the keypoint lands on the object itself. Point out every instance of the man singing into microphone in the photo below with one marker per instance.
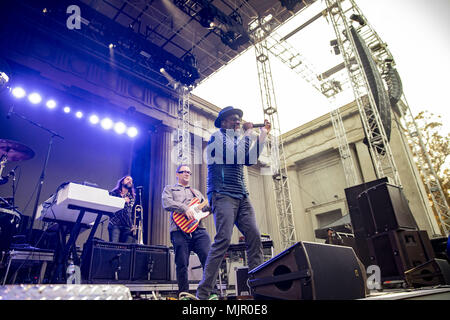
(228, 150)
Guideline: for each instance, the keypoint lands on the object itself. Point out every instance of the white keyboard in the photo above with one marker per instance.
(82, 196)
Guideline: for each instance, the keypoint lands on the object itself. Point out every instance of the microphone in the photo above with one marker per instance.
(139, 187)
(12, 173)
(9, 112)
(258, 125)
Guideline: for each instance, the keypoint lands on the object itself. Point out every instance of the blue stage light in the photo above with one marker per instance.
(18, 92)
(132, 132)
(66, 109)
(51, 104)
(120, 127)
(106, 123)
(34, 98)
(94, 119)
(79, 114)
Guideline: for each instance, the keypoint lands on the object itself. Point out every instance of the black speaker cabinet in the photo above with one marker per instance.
(397, 251)
(351, 194)
(431, 273)
(384, 207)
(107, 262)
(150, 263)
(310, 271)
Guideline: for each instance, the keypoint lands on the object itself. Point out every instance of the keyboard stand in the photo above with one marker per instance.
(59, 272)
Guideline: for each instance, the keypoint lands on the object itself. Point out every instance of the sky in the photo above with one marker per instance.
(417, 34)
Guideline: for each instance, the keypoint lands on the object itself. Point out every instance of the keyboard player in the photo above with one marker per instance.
(120, 226)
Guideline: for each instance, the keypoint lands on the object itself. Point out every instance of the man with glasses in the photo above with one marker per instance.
(176, 199)
(228, 150)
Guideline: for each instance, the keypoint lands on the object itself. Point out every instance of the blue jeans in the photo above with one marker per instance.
(227, 212)
(198, 242)
(120, 234)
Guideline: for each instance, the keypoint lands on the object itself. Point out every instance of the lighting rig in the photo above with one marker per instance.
(229, 28)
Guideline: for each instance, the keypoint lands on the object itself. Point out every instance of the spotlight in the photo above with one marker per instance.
(51, 104)
(79, 114)
(112, 46)
(94, 119)
(34, 98)
(66, 109)
(120, 127)
(106, 123)
(358, 18)
(18, 92)
(132, 132)
(4, 79)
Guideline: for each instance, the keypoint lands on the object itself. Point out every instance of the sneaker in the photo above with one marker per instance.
(186, 296)
(213, 297)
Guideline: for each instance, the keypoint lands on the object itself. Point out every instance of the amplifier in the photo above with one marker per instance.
(150, 263)
(107, 262)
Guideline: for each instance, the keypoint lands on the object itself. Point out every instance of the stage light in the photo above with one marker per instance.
(18, 92)
(120, 127)
(66, 109)
(51, 104)
(94, 119)
(132, 132)
(79, 114)
(112, 46)
(106, 123)
(34, 98)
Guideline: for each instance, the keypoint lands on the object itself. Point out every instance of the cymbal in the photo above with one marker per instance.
(15, 151)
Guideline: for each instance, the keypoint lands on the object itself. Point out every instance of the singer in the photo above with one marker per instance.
(227, 192)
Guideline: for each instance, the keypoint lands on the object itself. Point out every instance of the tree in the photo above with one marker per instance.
(437, 147)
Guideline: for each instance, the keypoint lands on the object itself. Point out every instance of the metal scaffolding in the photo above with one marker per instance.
(378, 142)
(341, 12)
(285, 216)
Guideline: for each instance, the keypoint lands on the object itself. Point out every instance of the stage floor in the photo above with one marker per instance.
(168, 292)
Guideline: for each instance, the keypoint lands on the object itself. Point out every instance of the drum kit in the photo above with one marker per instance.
(10, 217)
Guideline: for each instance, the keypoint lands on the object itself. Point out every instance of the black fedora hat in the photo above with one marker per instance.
(226, 112)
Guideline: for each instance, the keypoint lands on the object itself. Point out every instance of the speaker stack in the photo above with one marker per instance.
(385, 231)
(108, 262)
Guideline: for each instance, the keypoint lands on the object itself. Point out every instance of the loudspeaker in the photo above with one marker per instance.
(431, 273)
(397, 251)
(383, 208)
(195, 270)
(356, 216)
(376, 85)
(309, 271)
(242, 288)
(107, 262)
(150, 263)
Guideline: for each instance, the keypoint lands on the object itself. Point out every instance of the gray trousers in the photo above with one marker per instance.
(227, 212)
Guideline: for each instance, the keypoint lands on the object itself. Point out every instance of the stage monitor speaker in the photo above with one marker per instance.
(384, 207)
(356, 216)
(242, 288)
(431, 273)
(107, 262)
(310, 271)
(397, 251)
(150, 263)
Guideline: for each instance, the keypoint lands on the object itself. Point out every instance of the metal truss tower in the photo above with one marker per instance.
(285, 216)
(373, 127)
(183, 138)
(329, 88)
(341, 12)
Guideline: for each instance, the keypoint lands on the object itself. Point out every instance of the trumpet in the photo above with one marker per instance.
(137, 220)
